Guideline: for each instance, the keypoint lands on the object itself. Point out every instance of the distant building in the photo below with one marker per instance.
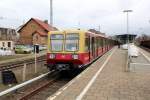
(8, 37)
(35, 32)
(125, 38)
(7, 44)
(8, 34)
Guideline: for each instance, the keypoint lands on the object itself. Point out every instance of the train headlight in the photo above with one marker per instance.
(52, 56)
(75, 56)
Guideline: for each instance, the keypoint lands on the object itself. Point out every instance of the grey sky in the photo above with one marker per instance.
(80, 13)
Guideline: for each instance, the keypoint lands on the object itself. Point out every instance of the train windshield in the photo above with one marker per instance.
(72, 42)
(57, 42)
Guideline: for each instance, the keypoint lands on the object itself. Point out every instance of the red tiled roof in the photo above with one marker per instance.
(41, 33)
(43, 24)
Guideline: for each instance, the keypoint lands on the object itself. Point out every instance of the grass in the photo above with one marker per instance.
(3, 58)
(13, 57)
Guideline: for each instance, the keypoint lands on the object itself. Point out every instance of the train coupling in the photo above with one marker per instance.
(62, 67)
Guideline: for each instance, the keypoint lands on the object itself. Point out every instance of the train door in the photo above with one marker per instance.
(106, 45)
(109, 44)
(89, 47)
(96, 46)
(101, 43)
(93, 47)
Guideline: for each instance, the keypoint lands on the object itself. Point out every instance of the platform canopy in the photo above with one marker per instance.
(125, 38)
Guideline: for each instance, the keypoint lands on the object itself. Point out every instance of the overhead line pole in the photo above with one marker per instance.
(51, 12)
(127, 11)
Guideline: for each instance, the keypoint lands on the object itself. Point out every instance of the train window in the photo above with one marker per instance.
(104, 42)
(99, 42)
(72, 42)
(57, 42)
(57, 36)
(71, 36)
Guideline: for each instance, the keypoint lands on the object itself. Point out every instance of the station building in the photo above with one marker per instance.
(125, 38)
(35, 32)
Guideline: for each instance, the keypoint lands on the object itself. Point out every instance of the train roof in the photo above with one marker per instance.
(82, 30)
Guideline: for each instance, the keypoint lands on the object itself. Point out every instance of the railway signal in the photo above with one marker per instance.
(36, 50)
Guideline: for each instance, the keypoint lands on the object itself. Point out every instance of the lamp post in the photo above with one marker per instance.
(127, 11)
(51, 12)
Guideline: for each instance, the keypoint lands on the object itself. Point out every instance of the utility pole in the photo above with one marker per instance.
(99, 28)
(51, 12)
(127, 11)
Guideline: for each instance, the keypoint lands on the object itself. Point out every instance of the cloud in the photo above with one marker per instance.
(80, 13)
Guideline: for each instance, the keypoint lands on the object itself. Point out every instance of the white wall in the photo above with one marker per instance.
(4, 44)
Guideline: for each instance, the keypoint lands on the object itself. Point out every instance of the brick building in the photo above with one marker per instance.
(34, 32)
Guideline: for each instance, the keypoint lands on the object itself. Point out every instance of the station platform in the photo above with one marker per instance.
(107, 79)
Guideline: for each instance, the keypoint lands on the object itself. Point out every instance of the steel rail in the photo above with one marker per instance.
(23, 84)
(38, 89)
(21, 63)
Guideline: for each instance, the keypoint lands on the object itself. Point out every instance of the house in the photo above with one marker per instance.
(8, 37)
(8, 34)
(7, 44)
(35, 32)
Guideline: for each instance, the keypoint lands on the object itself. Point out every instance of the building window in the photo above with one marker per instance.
(37, 37)
(3, 44)
(9, 44)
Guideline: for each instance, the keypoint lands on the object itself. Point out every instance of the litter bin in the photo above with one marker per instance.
(8, 77)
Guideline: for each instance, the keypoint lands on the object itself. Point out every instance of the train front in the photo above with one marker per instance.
(65, 50)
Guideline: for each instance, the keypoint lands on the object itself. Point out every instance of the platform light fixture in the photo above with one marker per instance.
(127, 11)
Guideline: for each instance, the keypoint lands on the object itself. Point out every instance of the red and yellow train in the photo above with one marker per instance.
(74, 49)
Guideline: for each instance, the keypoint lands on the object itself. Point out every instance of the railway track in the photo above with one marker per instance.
(43, 92)
(20, 63)
(50, 90)
(31, 91)
(39, 90)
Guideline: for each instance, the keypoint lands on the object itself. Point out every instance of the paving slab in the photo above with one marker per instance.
(112, 83)
(140, 63)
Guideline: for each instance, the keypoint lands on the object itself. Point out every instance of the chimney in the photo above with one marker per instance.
(46, 21)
